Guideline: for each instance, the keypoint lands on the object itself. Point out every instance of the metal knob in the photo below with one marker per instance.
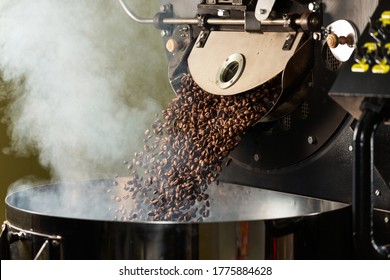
(173, 45)
(334, 41)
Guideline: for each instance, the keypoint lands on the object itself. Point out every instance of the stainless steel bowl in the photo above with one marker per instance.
(74, 221)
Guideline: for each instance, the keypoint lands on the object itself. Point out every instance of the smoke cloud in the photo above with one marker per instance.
(89, 82)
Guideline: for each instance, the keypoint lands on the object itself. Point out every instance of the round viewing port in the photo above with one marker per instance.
(230, 71)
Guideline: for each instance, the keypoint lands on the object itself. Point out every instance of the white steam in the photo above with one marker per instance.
(85, 71)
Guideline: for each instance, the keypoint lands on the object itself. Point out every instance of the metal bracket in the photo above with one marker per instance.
(251, 23)
(263, 9)
(290, 39)
(202, 38)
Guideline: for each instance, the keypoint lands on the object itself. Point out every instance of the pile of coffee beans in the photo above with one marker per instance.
(185, 150)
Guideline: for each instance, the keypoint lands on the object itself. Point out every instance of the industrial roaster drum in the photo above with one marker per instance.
(74, 221)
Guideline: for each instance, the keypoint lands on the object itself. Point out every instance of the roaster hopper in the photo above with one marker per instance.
(303, 148)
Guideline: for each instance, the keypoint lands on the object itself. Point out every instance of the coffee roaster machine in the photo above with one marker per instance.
(323, 144)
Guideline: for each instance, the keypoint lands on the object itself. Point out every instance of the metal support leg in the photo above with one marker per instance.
(363, 167)
(4, 243)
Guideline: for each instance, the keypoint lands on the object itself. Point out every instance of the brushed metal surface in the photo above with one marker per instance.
(261, 51)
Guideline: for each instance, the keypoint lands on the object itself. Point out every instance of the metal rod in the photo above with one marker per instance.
(40, 252)
(133, 16)
(191, 21)
(363, 169)
(211, 21)
(195, 21)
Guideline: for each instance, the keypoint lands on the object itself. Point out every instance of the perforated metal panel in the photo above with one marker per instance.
(286, 122)
(331, 61)
(305, 109)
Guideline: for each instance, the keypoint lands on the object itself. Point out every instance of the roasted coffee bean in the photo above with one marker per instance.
(188, 145)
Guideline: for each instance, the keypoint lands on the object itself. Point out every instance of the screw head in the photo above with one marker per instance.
(313, 6)
(262, 11)
(378, 193)
(312, 140)
(164, 33)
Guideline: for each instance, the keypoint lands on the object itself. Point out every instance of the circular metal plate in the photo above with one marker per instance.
(343, 28)
(230, 71)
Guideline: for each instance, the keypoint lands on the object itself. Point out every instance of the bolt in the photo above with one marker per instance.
(378, 193)
(312, 140)
(55, 243)
(256, 157)
(164, 8)
(313, 6)
(223, 13)
(386, 220)
(317, 36)
(262, 11)
(164, 33)
(350, 148)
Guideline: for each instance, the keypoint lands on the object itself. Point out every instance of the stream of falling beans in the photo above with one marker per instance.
(185, 150)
